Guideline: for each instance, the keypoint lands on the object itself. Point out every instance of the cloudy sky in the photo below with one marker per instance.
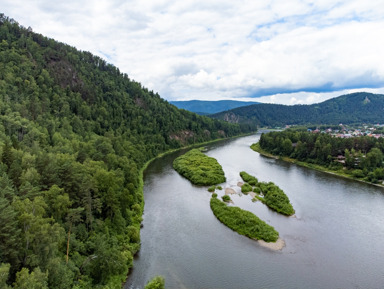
(279, 51)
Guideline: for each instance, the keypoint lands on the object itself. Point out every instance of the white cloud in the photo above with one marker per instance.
(295, 51)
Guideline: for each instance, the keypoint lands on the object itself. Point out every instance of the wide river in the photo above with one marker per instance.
(336, 239)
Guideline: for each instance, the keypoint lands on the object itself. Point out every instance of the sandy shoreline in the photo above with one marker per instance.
(229, 191)
(276, 246)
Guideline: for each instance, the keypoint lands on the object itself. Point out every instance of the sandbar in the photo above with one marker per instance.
(276, 246)
(229, 191)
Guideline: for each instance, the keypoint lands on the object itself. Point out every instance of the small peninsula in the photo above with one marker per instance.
(199, 168)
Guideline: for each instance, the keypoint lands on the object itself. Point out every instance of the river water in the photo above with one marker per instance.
(336, 239)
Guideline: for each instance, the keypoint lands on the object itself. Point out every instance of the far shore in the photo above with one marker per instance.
(258, 149)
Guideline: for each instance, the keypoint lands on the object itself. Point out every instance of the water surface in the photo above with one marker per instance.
(336, 239)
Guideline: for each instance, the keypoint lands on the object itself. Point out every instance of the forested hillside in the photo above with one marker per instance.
(359, 107)
(74, 134)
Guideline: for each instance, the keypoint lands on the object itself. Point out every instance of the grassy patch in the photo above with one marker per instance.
(199, 168)
(243, 222)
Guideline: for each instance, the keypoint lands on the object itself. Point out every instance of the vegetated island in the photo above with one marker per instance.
(199, 168)
(359, 158)
(268, 193)
(243, 222)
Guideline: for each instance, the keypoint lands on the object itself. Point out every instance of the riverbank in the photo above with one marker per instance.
(256, 147)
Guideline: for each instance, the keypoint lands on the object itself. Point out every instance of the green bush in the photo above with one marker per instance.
(248, 178)
(226, 198)
(275, 198)
(157, 282)
(211, 189)
(199, 168)
(358, 173)
(243, 222)
(246, 188)
(219, 187)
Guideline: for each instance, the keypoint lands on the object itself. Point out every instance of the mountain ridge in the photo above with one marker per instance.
(204, 107)
(359, 107)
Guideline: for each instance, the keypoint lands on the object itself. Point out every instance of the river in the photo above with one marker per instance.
(336, 239)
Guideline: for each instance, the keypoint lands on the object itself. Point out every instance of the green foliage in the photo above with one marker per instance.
(33, 280)
(219, 188)
(273, 196)
(212, 188)
(276, 199)
(74, 134)
(4, 274)
(243, 222)
(157, 282)
(246, 188)
(199, 168)
(360, 156)
(346, 109)
(226, 198)
(248, 178)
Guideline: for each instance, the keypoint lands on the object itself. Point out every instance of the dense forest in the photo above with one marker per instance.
(360, 157)
(352, 108)
(75, 133)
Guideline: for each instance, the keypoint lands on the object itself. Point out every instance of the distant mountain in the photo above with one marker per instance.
(361, 107)
(208, 107)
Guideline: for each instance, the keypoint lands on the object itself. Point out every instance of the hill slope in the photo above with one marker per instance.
(74, 134)
(209, 107)
(358, 107)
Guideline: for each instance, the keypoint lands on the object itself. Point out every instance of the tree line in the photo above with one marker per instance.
(361, 157)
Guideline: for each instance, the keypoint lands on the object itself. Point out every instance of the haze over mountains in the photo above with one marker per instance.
(359, 107)
(204, 107)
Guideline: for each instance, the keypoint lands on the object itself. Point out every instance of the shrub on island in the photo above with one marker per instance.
(243, 222)
(199, 168)
(248, 178)
(211, 189)
(275, 198)
(157, 282)
(246, 188)
(226, 198)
